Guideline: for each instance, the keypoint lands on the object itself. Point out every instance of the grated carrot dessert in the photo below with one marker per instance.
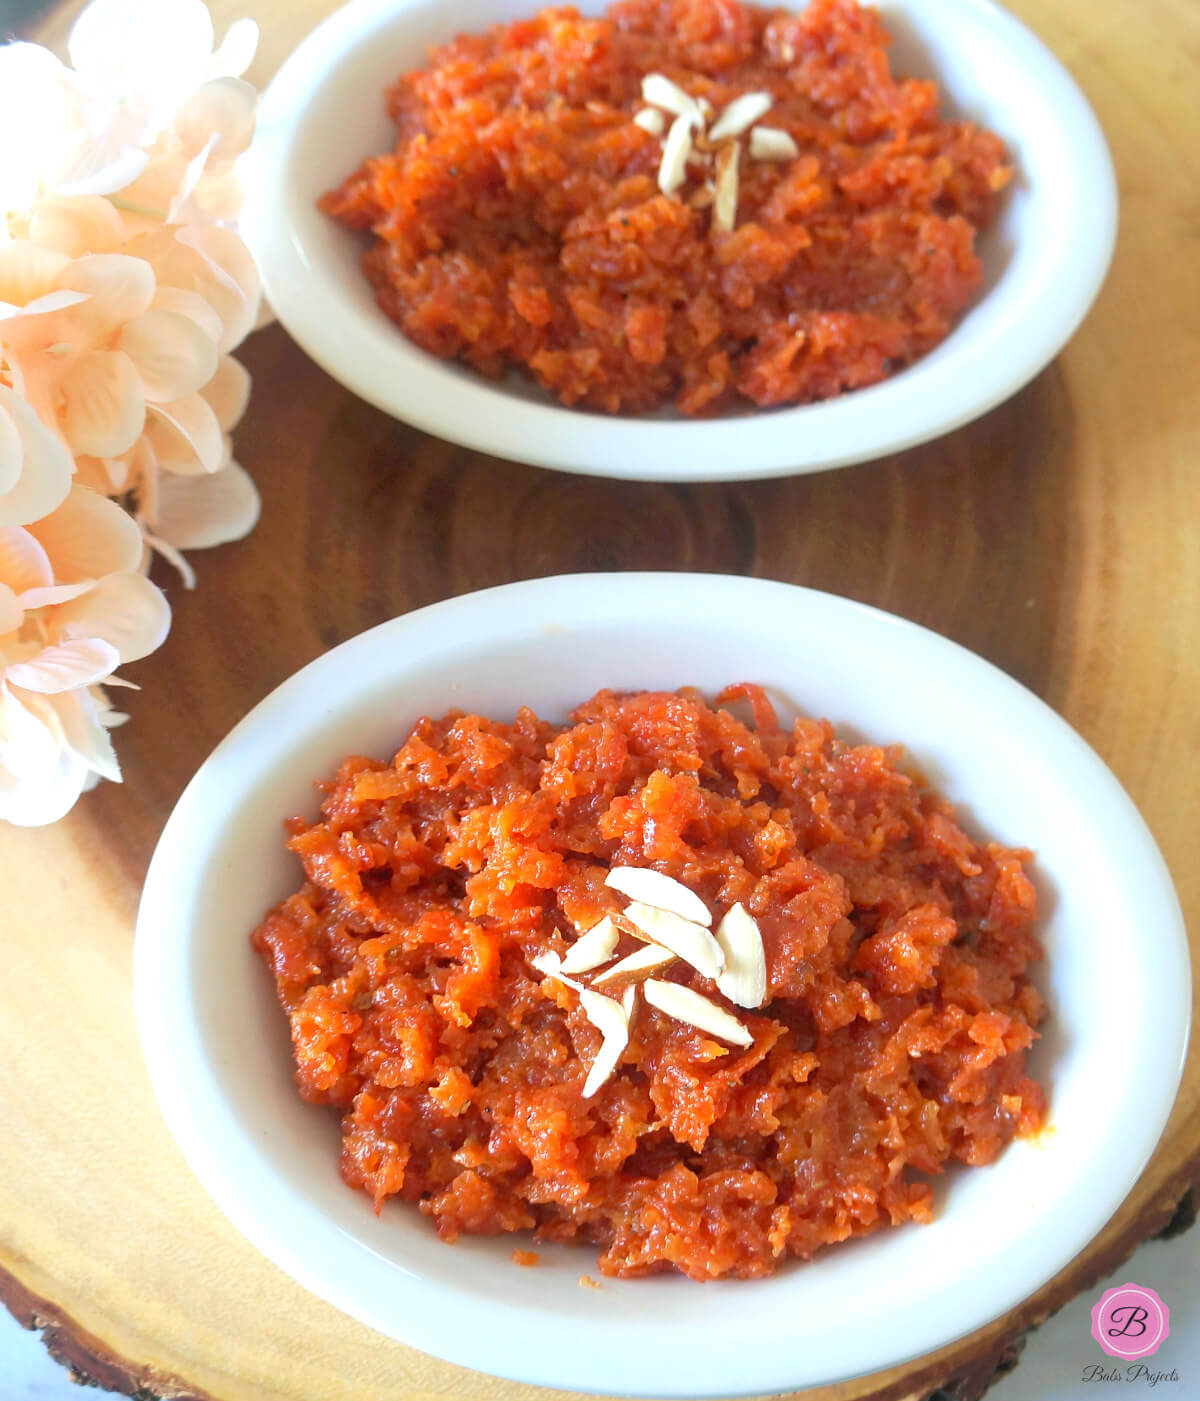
(698, 992)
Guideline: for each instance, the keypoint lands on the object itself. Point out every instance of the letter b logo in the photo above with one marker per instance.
(1130, 1322)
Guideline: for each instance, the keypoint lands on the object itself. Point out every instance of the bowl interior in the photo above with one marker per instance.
(218, 1047)
(1042, 261)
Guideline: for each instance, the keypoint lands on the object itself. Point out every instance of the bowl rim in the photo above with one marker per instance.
(977, 369)
(181, 1068)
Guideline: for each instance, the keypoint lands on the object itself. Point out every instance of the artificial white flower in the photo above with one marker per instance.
(73, 607)
(137, 66)
(123, 290)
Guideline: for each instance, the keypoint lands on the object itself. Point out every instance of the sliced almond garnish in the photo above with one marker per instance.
(672, 169)
(768, 143)
(684, 1005)
(706, 108)
(744, 980)
(690, 941)
(592, 949)
(724, 215)
(612, 1022)
(659, 91)
(552, 966)
(741, 114)
(650, 119)
(548, 963)
(651, 887)
(635, 966)
(629, 1002)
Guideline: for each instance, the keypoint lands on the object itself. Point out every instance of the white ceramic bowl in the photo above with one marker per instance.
(1116, 978)
(1045, 258)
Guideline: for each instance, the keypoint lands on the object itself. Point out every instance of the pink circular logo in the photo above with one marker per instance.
(1130, 1321)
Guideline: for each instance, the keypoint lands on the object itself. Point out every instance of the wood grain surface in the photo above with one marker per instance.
(1058, 537)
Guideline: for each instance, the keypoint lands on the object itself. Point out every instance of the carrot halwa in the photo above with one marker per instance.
(519, 220)
(890, 1043)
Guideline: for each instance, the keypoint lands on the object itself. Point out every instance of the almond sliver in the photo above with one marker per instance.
(690, 941)
(672, 169)
(741, 114)
(629, 1002)
(651, 120)
(651, 887)
(659, 91)
(592, 949)
(768, 143)
(684, 1005)
(612, 1022)
(551, 965)
(635, 966)
(744, 980)
(725, 198)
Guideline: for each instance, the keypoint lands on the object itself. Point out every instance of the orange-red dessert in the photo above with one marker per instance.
(519, 221)
(891, 1040)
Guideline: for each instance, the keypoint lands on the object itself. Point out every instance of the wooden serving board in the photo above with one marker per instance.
(1059, 536)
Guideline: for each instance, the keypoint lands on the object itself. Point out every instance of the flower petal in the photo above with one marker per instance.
(102, 474)
(220, 195)
(172, 355)
(225, 250)
(46, 797)
(120, 286)
(46, 465)
(32, 81)
(89, 536)
(86, 734)
(29, 742)
(195, 513)
(187, 574)
(124, 609)
(28, 270)
(192, 174)
(185, 435)
(40, 306)
(12, 454)
(34, 327)
(81, 662)
(236, 50)
(98, 171)
(220, 116)
(228, 392)
(27, 70)
(189, 304)
(24, 564)
(147, 486)
(177, 264)
(231, 260)
(142, 48)
(75, 226)
(111, 475)
(12, 611)
(103, 408)
(53, 594)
